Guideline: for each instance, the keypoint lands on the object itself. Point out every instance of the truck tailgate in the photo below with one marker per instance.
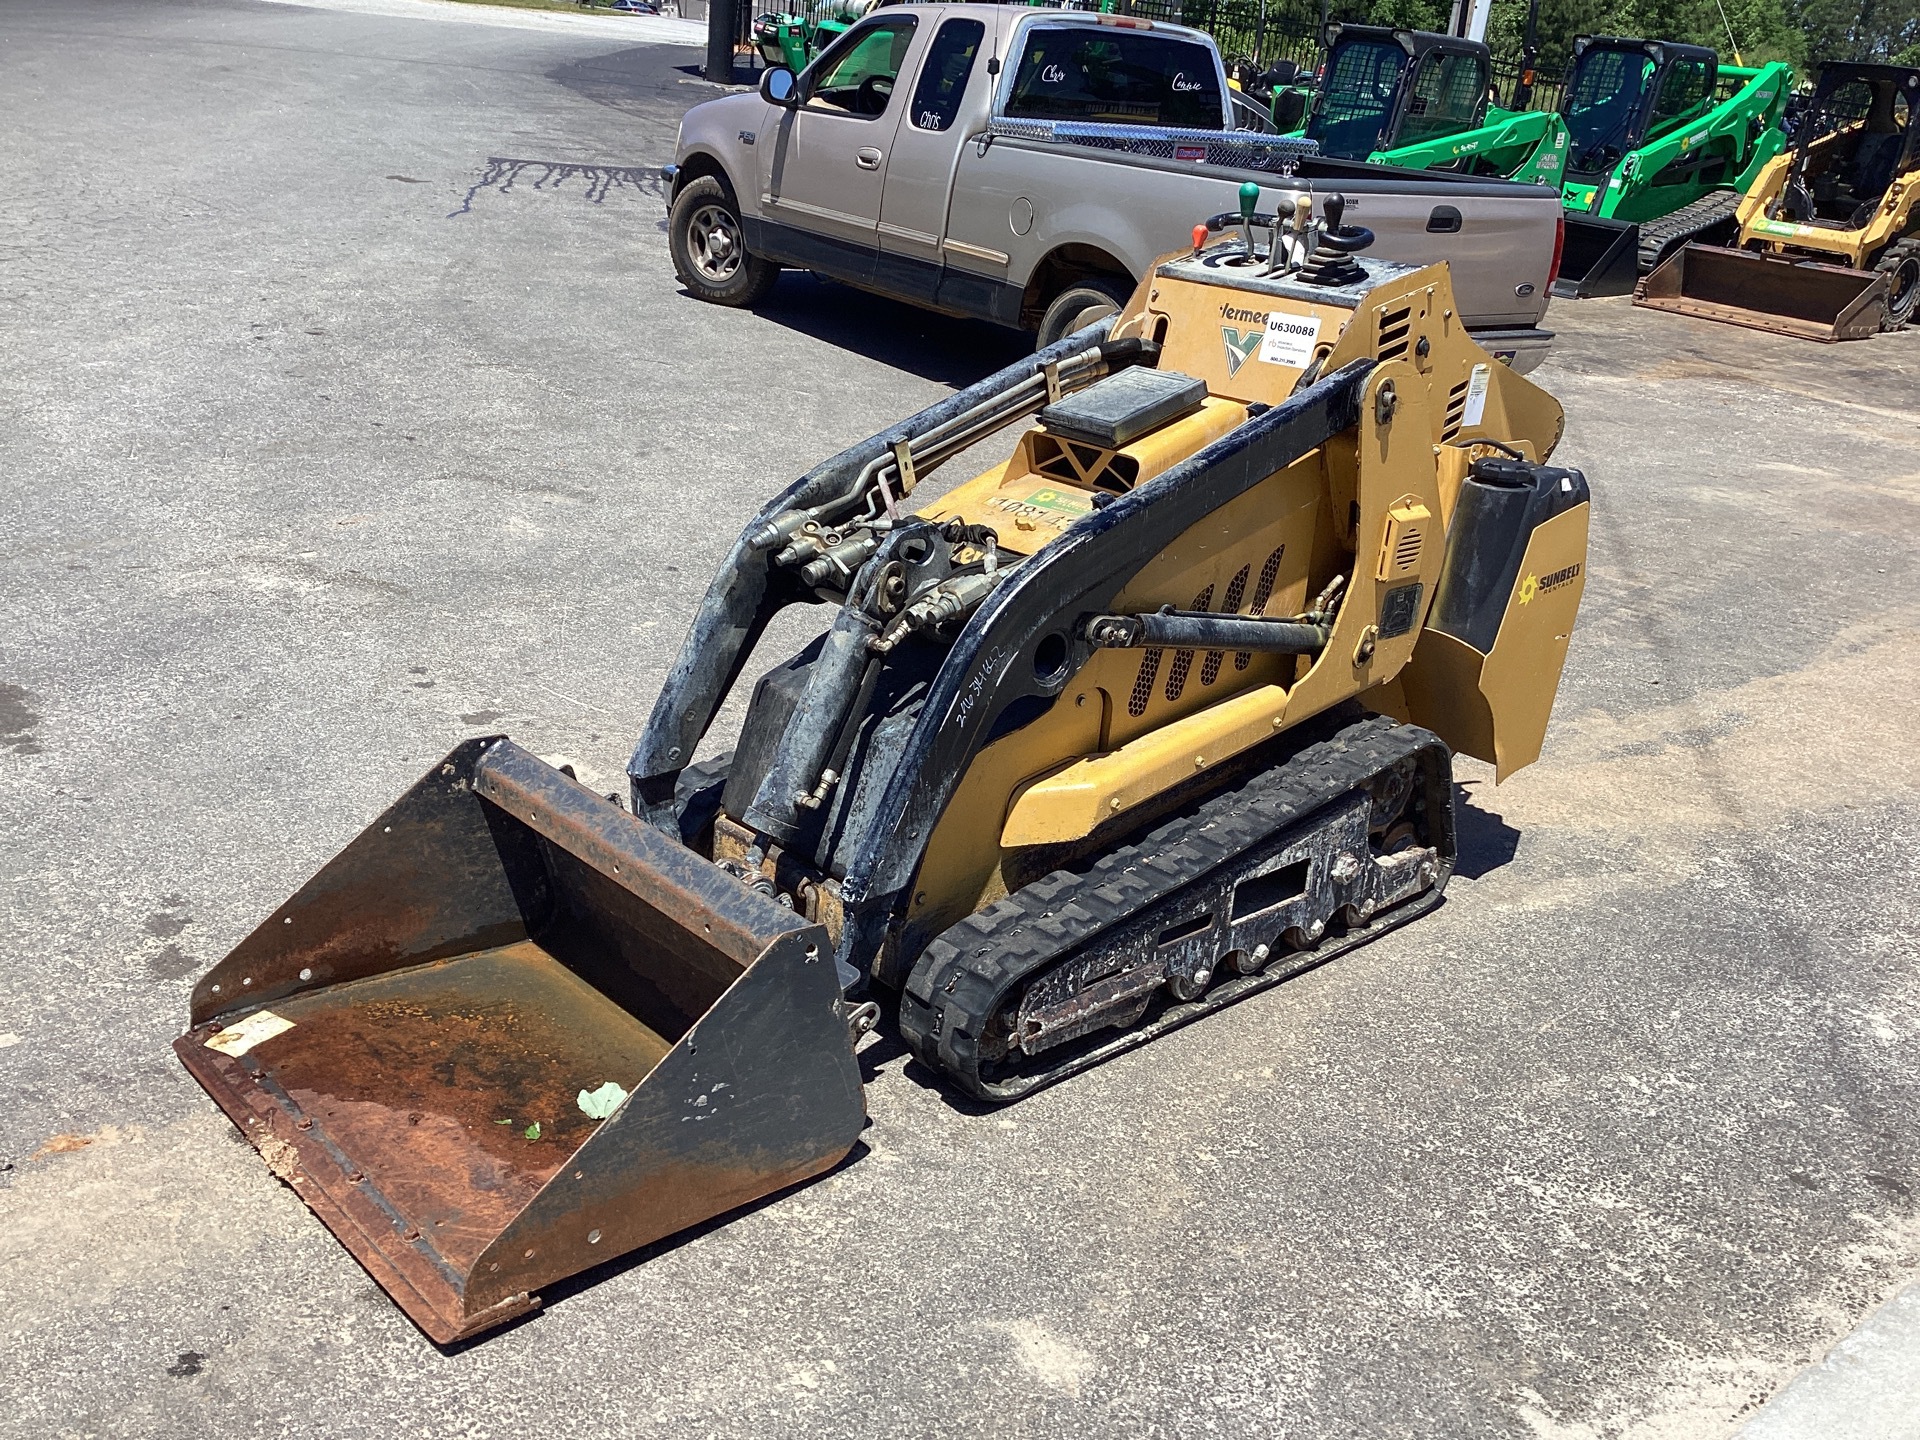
(1498, 236)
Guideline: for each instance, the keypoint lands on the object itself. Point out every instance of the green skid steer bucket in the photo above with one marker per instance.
(1768, 292)
(511, 1032)
(1600, 257)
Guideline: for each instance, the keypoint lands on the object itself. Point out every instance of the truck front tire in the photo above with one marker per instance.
(709, 246)
(1078, 306)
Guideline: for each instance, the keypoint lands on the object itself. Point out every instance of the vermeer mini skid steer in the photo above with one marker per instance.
(1155, 714)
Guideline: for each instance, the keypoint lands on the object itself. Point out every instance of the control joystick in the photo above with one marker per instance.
(1332, 261)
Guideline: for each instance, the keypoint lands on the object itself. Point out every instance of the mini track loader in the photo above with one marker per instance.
(1153, 715)
(1829, 235)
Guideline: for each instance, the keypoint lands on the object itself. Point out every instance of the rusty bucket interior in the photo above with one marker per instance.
(512, 1032)
(1767, 292)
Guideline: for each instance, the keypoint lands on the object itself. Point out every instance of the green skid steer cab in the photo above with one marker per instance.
(1662, 142)
(1423, 101)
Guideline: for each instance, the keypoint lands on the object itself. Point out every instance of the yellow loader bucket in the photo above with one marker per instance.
(1767, 292)
(512, 1032)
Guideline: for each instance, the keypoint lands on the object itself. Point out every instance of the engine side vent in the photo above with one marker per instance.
(1400, 547)
(1456, 411)
(1236, 591)
(1183, 659)
(1143, 682)
(1395, 326)
(1262, 593)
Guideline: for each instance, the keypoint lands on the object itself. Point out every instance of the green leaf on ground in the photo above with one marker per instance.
(599, 1104)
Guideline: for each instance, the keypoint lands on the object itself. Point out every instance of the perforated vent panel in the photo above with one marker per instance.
(1183, 659)
(1262, 593)
(1395, 326)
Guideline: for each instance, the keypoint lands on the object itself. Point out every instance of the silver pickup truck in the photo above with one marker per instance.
(1027, 166)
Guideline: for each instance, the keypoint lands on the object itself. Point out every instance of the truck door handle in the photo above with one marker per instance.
(1445, 220)
(867, 159)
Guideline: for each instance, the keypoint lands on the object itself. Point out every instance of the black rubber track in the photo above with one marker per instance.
(1660, 238)
(970, 970)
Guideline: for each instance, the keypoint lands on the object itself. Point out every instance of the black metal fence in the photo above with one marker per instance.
(1258, 33)
(1548, 86)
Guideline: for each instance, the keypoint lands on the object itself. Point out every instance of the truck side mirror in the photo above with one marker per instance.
(777, 85)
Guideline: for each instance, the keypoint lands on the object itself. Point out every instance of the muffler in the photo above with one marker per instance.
(1768, 292)
(1599, 257)
(512, 1032)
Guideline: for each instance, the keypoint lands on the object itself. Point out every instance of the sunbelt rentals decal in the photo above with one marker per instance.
(1543, 584)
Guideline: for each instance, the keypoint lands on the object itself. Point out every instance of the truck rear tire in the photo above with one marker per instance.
(1078, 306)
(709, 246)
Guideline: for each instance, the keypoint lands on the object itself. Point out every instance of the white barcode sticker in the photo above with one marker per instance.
(1290, 340)
(256, 1029)
(1476, 395)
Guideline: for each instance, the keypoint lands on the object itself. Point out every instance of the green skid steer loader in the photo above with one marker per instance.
(1662, 142)
(1420, 100)
(1652, 146)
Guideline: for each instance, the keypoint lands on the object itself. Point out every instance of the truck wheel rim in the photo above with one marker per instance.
(713, 242)
(1093, 310)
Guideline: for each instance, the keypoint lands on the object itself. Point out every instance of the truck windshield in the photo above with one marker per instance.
(1354, 111)
(1603, 101)
(1123, 77)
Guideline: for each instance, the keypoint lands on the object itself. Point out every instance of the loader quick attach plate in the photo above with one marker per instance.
(416, 1040)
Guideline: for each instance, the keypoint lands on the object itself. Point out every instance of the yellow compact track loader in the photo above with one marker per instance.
(1829, 233)
(1153, 715)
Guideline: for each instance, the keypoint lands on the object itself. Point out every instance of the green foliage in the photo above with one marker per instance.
(1797, 31)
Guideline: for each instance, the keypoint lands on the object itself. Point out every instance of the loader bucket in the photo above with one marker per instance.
(419, 1042)
(1600, 257)
(1768, 292)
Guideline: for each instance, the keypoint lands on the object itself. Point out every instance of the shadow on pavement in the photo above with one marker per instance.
(1486, 841)
(934, 347)
(562, 1290)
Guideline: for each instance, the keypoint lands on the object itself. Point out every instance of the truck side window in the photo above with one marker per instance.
(1124, 77)
(857, 74)
(943, 76)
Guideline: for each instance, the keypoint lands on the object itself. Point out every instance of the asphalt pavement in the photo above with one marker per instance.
(350, 407)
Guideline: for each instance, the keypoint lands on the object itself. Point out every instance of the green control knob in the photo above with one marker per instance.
(1249, 199)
